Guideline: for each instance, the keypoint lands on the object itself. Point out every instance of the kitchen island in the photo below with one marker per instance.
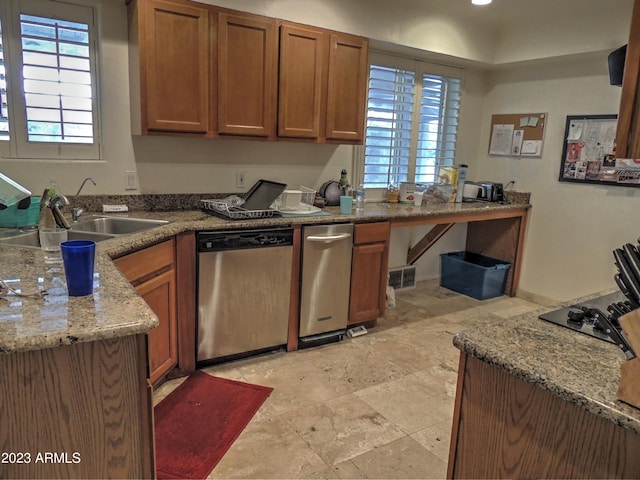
(74, 401)
(536, 400)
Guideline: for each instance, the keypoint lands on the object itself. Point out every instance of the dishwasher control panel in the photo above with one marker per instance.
(241, 239)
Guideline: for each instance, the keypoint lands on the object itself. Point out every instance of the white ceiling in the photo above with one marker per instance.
(506, 13)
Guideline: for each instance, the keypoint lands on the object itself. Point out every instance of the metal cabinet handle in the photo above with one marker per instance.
(328, 238)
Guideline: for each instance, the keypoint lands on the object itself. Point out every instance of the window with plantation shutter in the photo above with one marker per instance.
(4, 112)
(49, 105)
(390, 109)
(57, 80)
(412, 120)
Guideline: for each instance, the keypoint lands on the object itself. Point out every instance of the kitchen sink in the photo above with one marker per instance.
(31, 240)
(115, 225)
(96, 228)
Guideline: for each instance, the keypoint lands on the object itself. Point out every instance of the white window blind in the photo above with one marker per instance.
(390, 109)
(49, 96)
(438, 126)
(57, 80)
(4, 111)
(412, 120)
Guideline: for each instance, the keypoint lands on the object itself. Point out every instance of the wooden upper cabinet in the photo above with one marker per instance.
(202, 70)
(173, 66)
(322, 89)
(628, 136)
(303, 56)
(346, 90)
(247, 74)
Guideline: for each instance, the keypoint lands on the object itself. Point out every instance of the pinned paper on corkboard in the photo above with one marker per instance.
(517, 134)
(588, 153)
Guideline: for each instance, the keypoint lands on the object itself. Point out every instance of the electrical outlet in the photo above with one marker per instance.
(513, 182)
(240, 179)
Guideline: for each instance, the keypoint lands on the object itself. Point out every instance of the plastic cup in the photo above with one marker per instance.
(50, 240)
(346, 204)
(78, 257)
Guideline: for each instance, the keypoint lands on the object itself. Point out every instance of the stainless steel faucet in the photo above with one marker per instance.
(77, 211)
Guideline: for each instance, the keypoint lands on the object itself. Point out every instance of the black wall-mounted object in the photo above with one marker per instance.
(616, 65)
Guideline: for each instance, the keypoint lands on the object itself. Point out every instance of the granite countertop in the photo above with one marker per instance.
(55, 319)
(582, 370)
(115, 309)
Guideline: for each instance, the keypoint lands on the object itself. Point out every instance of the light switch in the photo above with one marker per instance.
(131, 180)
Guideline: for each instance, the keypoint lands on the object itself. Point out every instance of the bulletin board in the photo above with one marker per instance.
(588, 153)
(517, 134)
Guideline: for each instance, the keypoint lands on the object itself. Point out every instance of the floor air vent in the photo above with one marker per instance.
(402, 277)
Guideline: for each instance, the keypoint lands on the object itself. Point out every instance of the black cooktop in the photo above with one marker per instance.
(575, 318)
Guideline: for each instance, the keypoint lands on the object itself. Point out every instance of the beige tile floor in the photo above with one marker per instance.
(376, 406)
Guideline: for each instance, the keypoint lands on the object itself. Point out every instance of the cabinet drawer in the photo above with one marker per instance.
(371, 232)
(139, 265)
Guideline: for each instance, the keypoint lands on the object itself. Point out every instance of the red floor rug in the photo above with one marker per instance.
(197, 423)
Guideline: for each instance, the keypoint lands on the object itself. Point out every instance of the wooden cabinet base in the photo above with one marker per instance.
(76, 411)
(369, 273)
(152, 272)
(505, 427)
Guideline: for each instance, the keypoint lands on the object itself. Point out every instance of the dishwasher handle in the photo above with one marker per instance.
(328, 238)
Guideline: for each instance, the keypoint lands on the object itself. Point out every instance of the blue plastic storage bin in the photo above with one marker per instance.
(474, 275)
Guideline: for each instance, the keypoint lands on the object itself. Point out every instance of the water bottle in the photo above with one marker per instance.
(360, 197)
(462, 176)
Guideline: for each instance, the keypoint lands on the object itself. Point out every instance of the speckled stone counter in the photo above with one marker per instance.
(38, 322)
(578, 368)
(115, 309)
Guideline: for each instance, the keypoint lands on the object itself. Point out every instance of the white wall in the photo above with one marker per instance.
(573, 228)
(562, 230)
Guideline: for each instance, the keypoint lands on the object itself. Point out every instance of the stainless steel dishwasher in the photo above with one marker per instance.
(244, 285)
(326, 282)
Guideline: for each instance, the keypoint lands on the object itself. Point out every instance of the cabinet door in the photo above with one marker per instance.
(174, 67)
(159, 293)
(346, 90)
(152, 272)
(247, 75)
(302, 60)
(367, 284)
(628, 136)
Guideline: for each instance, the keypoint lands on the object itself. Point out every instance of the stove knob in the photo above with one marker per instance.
(575, 315)
(598, 326)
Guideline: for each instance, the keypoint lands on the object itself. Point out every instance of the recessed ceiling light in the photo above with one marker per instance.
(481, 2)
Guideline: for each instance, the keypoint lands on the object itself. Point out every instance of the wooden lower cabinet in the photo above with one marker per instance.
(160, 294)
(88, 404)
(152, 272)
(505, 427)
(369, 267)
